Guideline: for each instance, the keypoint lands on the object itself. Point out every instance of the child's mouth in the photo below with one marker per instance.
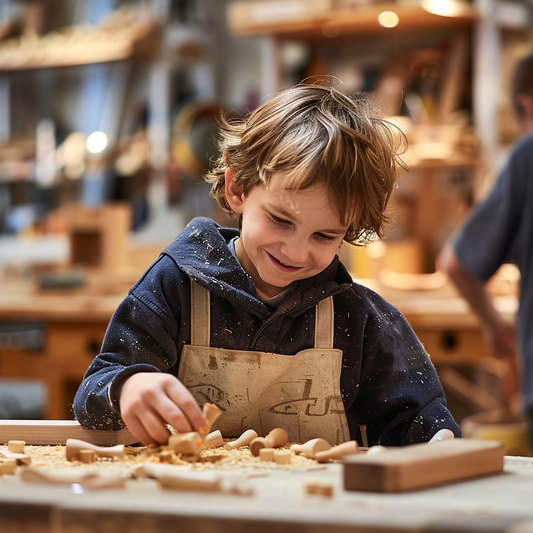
(283, 266)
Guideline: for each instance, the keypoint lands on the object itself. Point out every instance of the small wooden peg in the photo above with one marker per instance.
(311, 447)
(16, 446)
(282, 457)
(244, 440)
(338, 452)
(214, 439)
(87, 456)
(74, 446)
(210, 412)
(186, 443)
(275, 439)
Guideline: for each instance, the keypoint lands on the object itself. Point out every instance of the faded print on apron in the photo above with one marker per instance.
(261, 391)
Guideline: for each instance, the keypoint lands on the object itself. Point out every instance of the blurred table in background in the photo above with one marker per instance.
(52, 336)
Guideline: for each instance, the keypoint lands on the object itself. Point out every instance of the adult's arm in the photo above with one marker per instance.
(499, 333)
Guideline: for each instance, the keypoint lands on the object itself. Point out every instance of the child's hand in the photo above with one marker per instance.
(149, 400)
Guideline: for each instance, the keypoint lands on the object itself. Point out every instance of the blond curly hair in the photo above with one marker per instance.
(315, 134)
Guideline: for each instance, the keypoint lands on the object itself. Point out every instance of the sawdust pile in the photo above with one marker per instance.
(210, 458)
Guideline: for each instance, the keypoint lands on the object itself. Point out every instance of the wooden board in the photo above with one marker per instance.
(56, 432)
(422, 465)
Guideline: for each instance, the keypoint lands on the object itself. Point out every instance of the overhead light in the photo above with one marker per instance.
(96, 142)
(388, 19)
(446, 8)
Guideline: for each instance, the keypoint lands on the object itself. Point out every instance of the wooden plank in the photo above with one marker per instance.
(422, 465)
(56, 432)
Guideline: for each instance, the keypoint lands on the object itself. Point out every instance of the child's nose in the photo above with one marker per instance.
(297, 250)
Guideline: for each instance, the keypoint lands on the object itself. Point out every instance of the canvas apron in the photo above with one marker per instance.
(261, 391)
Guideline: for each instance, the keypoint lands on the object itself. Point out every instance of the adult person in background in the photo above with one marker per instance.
(500, 230)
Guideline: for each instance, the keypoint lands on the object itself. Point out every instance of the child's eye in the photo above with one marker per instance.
(278, 220)
(324, 237)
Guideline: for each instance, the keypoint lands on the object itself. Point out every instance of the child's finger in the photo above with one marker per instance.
(155, 427)
(174, 416)
(189, 415)
(137, 428)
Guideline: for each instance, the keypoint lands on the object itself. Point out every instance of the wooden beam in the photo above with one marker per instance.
(421, 465)
(56, 432)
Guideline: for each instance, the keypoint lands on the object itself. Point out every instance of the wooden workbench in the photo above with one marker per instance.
(493, 504)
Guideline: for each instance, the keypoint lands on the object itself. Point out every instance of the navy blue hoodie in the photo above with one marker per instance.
(387, 383)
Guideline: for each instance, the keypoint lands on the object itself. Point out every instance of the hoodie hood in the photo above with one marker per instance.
(204, 252)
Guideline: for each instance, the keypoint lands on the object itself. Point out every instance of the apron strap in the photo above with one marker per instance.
(200, 315)
(201, 319)
(324, 322)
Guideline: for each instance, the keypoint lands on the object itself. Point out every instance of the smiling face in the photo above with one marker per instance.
(286, 235)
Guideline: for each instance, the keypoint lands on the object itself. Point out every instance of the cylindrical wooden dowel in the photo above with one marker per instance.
(246, 438)
(283, 457)
(338, 452)
(275, 439)
(87, 456)
(74, 446)
(311, 447)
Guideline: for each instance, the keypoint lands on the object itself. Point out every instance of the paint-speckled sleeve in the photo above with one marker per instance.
(400, 399)
(142, 336)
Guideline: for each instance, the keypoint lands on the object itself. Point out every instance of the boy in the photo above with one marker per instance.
(266, 322)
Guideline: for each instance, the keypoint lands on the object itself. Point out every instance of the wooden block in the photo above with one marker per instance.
(8, 468)
(16, 446)
(419, 465)
(267, 454)
(56, 432)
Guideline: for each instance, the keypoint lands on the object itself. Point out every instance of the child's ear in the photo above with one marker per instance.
(234, 193)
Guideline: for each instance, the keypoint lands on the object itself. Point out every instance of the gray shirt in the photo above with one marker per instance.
(500, 230)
